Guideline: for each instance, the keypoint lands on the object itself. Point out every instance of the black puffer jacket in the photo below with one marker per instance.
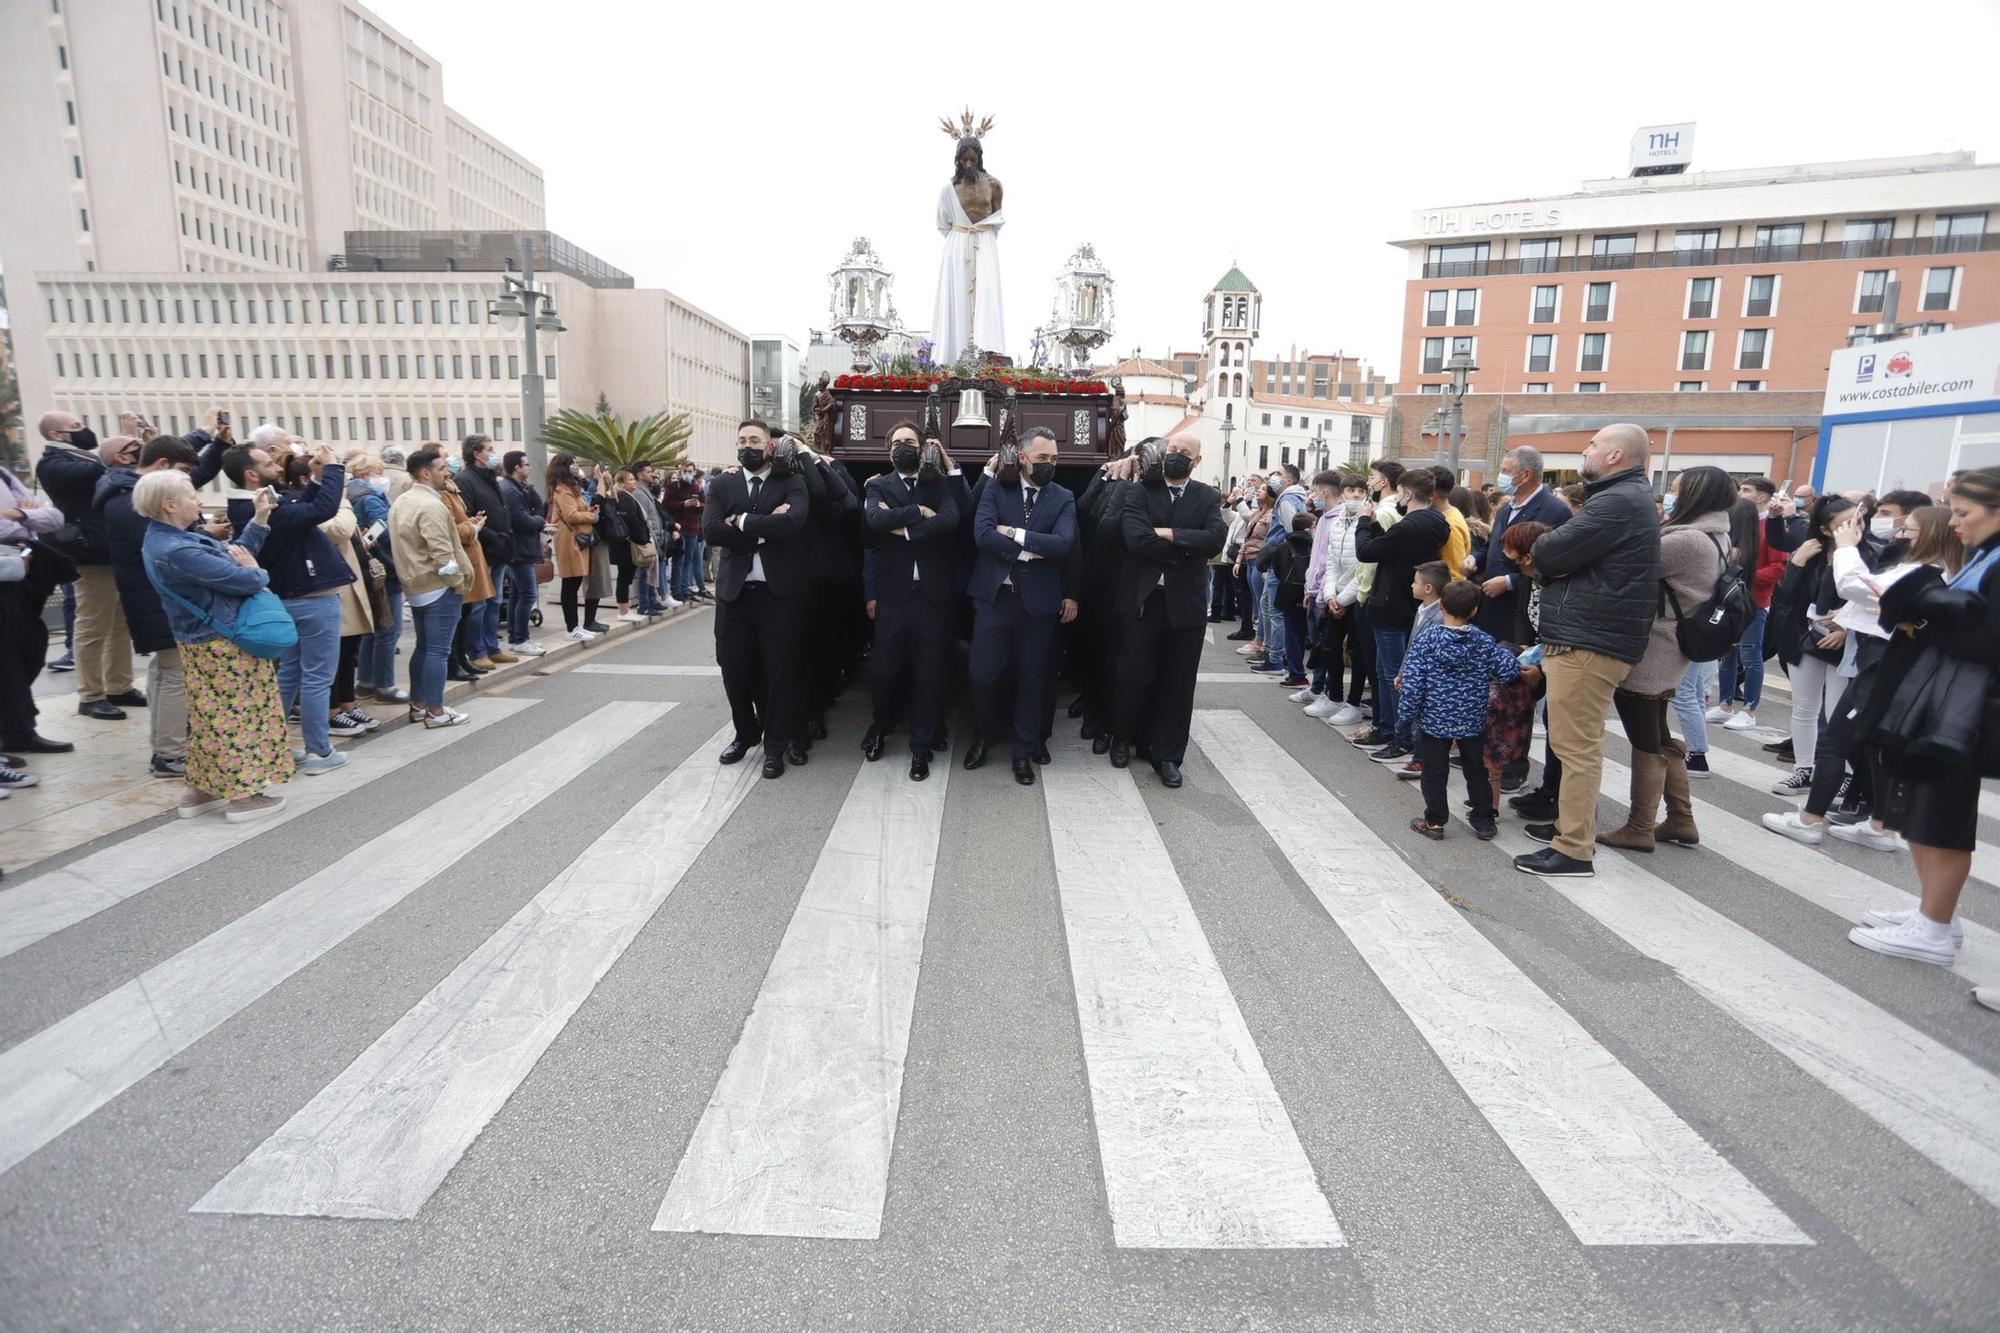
(1600, 572)
(125, 533)
(69, 476)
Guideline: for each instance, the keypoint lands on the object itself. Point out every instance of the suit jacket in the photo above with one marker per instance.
(778, 538)
(1199, 532)
(1498, 614)
(1049, 535)
(928, 551)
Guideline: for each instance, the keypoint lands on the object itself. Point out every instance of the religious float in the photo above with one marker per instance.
(971, 399)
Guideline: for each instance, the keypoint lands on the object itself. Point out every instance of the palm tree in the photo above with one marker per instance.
(607, 438)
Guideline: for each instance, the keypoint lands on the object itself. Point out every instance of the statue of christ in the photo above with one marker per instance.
(967, 313)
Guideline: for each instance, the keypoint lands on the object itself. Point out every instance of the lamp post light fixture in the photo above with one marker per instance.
(1319, 447)
(1228, 426)
(533, 308)
(1890, 328)
(1461, 367)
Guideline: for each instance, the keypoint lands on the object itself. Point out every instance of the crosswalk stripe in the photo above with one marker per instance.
(37, 908)
(1747, 772)
(797, 1137)
(1931, 1097)
(379, 1140)
(1197, 1150)
(1234, 678)
(1821, 880)
(1617, 1164)
(68, 1070)
(642, 669)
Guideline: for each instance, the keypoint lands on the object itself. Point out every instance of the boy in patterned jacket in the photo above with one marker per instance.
(1446, 680)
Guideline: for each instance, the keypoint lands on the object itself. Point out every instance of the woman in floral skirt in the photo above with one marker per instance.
(237, 744)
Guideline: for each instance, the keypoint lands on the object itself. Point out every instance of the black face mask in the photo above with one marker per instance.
(1041, 474)
(1177, 466)
(753, 460)
(906, 457)
(83, 437)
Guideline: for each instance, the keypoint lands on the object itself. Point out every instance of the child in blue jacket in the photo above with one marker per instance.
(1446, 680)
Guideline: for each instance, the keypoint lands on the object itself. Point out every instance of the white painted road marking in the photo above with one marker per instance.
(1821, 880)
(378, 1140)
(66, 1071)
(642, 669)
(1198, 1152)
(1926, 1094)
(798, 1135)
(37, 908)
(1618, 1165)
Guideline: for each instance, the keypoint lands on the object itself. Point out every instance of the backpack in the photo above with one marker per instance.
(1718, 624)
(1291, 594)
(263, 627)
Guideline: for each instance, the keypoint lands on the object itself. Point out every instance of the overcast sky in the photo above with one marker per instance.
(730, 151)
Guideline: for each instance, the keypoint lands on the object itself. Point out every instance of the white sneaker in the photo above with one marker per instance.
(673, 605)
(1793, 826)
(1304, 696)
(580, 635)
(1875, 916)
(632, 618)
(1324, 709)
(1248, 649)
(1718, 714)
(450, 717)
(527, 648)
(1908, 940)
(1347, 716)
(1863, 836)
(1740, 722)
(1988, 996)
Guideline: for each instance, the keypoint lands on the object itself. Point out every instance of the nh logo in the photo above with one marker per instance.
(1654, 142)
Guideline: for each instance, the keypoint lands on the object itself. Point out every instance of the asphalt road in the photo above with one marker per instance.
(444, 1051)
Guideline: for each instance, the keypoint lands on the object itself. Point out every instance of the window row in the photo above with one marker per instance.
(1859, 238)
(275, 310)
(262, 153)
(1593, 351)
(1939, 292)
(329, 429)
(287, 365)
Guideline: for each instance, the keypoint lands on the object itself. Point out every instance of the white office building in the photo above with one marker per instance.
(187, 183)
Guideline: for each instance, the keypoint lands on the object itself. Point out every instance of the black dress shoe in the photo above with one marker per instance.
(13, 761)
(1089, 731)
(1040, 754)
(1121, 755)
(130, 698)
(774, 765)
(920, 765)
(1076, 706)
(1170, 773)
(795, 755)
(1024, 772)
(1240, 636)
(975, 754)
(1542, 833)
(461, 674)
(943, 741)
(101, 710)
(735, 750)
(1552, 864)
(816, 729)
(1100, 742)
(33, 742)
(871, 745)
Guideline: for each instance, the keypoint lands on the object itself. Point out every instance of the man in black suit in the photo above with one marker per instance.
(1103, 540)
(912, 526)
(1172, 527)
(1528, 501)
(1024, 525)
(757, 518)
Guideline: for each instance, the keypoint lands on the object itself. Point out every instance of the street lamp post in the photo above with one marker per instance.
(1227, 427)
(520, 301)
(1319, 446)
(1461, 367)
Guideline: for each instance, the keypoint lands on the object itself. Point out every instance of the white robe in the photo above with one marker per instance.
(968, 293)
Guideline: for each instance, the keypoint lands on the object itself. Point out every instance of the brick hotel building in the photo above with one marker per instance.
(1704, 306)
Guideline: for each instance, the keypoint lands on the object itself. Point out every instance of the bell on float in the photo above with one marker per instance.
(971, 409)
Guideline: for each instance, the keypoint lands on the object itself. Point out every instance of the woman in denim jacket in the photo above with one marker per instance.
(236, 727)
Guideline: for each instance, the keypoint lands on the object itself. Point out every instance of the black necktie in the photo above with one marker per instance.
(1176, 492)
(756, 490)
(911, 484)
(1028, 504)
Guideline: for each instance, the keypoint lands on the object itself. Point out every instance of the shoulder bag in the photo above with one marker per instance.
(263, 627)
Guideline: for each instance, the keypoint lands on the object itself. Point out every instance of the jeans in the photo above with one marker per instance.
(521, 592)
(1272, 620)
(687, 568)
(1391, 642)
(1691, 705)
(376, 668)
(1255, 578)
(1295, 643)
(483, 634)
(1748, 659)
(305, 672)
(436, 624)
(649, 598)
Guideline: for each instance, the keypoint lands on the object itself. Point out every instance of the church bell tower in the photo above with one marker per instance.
(1232, 313)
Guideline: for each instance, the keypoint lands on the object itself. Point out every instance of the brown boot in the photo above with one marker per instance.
(1678, 827)
(1649, 772)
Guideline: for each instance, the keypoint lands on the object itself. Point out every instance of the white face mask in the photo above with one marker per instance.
(1882, 527)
